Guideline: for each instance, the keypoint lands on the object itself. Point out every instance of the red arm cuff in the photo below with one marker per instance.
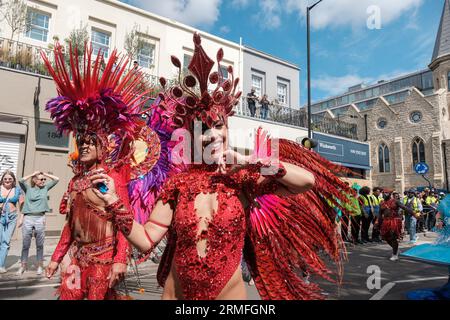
(63, 245)
(122, 249)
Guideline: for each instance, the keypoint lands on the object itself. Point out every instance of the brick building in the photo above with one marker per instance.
(405, 120)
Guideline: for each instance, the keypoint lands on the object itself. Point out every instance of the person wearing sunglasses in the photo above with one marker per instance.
(33, 216)
(11, 199)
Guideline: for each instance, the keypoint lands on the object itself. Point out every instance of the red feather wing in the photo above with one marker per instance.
(290, 237)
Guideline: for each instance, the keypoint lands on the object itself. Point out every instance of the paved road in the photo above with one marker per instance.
(397, 278)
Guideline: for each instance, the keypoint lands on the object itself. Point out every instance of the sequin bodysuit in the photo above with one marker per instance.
(203, 275)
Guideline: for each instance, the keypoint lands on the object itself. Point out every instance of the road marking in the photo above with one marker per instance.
(380, 294)
(421, 279)
(386, 288)
(30, 287)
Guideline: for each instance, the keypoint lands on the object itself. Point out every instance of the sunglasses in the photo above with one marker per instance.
(42, 179)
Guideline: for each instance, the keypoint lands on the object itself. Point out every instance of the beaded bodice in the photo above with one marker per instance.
(204, 273)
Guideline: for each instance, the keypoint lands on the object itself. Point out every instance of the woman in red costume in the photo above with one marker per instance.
(99, 109)
(391, 227)
(272, 211)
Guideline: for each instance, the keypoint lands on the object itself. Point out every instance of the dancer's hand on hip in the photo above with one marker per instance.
(117, 273)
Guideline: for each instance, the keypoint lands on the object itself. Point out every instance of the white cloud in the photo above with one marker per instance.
(191, 12)
(332, 13)
(240, 3)
(269, 13)
(337, 85)
(224, 29)
(333, 85)
(351, 12)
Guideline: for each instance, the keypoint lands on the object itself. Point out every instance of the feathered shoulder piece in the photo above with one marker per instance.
(193, 98)
(93, 96)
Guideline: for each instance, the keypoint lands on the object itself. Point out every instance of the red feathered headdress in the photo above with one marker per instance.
(182, 104)
(95, 98)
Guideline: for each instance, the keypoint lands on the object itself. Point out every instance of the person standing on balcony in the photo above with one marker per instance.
(33, 215)
(251, 100)
(264, 106)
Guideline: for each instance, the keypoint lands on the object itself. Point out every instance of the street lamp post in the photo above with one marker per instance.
(309, 8)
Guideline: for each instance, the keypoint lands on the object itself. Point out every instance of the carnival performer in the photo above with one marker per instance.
(391, 226)
(274, 211)
(100, 107)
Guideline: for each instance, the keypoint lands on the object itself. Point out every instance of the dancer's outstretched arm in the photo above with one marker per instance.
(143, 237)
(146, 237)
(292, 179)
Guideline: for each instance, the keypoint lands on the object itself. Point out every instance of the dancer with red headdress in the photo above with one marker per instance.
(273, 211)
(102, 108)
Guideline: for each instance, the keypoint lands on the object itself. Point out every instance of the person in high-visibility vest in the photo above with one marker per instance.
(432, 201)
(367, 210)
(412, 202)
(353, 219)
(376, 201)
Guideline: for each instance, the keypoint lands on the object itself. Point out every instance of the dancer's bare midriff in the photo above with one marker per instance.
(233, 290)
(79, 233)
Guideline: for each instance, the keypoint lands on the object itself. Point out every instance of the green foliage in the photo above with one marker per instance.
(15, 13)
(78, 38)
(134, 42)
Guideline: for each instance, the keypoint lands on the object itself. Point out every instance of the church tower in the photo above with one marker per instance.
(440, 62)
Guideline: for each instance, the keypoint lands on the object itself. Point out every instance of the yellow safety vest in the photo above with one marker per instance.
(415, 204)
(375, 200)
(430, 200)
(366, 201)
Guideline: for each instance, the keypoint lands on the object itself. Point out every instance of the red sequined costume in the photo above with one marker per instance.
(101, 105)
(225, 234)
(92, 262)
(391, 227)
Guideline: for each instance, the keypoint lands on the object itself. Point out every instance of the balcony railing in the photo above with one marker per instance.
(22, 56)
(299, 118)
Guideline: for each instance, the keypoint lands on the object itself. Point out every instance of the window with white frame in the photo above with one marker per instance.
(224, 70)
(257, 84)
(38, 25)
(186, 61)
(146, 55)
(282, 93)
(100, 42)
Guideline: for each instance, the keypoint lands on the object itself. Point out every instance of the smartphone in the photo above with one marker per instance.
(102, 187)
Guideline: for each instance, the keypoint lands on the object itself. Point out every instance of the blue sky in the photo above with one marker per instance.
(345, 51)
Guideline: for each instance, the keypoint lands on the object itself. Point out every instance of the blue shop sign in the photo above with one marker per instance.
(346, 152)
